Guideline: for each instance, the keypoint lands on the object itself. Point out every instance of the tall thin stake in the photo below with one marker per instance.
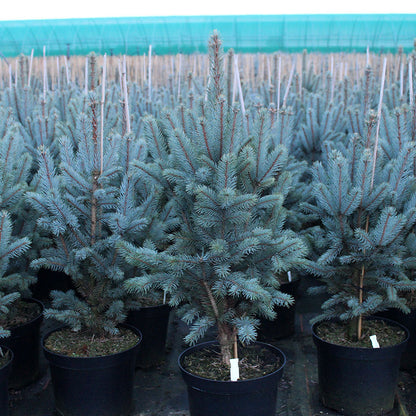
(86, 75)
(30, 68)
(150, 72)
(380, 104)
(126, 96)
(289, 82)
(410, 83)
(279, 81)
(240, 91)
(102, 113)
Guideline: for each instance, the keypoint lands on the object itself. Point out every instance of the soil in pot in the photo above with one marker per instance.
(221, 397)
(253, 362)
(354, 378)
(85, 382)
(6, 362)
(24, 340)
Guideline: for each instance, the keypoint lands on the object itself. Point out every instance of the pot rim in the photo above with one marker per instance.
(36, 318)
(59, 355)
(277, 351)
(346, 347)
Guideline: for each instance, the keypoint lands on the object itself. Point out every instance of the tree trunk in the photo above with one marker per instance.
(226, 338)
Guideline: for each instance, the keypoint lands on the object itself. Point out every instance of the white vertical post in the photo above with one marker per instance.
(410, 82)
(59, 75)
(240, 91)
(150, 72)
(45, 80)
(86, 75)
(30, 68)
(279, 81)
(102, 112)
(126, 96)
(380, 104)
(401, 79)
(289, 82)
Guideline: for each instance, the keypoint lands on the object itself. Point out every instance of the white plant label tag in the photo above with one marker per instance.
(289, 276)
(234, 369)
(374, 342)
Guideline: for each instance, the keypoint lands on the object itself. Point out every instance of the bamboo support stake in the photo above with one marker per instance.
(279, 81)
(380, 105)
(102, 113)
(44, 74)
(144, 70)
(66, 69)
(30, 68)
(235, 80)
(401, 79)
(240, 91)
(179, 74)
(126, 96)
(150, 72)
(292, 71)
(86, 75)
(16, 73)
(410, 83)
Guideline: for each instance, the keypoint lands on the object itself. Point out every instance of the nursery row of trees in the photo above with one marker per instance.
(209, 195)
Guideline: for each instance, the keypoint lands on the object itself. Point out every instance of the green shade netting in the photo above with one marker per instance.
(170, 35)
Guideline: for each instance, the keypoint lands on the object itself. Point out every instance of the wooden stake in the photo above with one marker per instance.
(240, 91)
(66, 69)
(292, 71)
(86, 75)
(279, 80)
(126, 96)
(410, 83)
(44, 74)
(401, 79)
(30, 68)
(380, 104)
(102, 113)
(150, 72)
(59, 75)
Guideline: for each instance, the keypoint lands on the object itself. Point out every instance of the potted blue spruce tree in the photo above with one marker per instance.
(149, 200)
(10, 316)
(24, 317)
(219, 268)
(396, 131)
(92, 357)
(367, 210)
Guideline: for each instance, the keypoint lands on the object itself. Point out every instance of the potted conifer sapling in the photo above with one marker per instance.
(92, 357)
(10, 315)
(219, 269)
(24, 316)
(364, 233)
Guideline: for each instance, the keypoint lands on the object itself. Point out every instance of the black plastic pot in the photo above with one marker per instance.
(24, 341)
(358, 381)
(227, 398)
(4, 383)
(408, 320)
(96, 386)
(152, 321)
(284, 324)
